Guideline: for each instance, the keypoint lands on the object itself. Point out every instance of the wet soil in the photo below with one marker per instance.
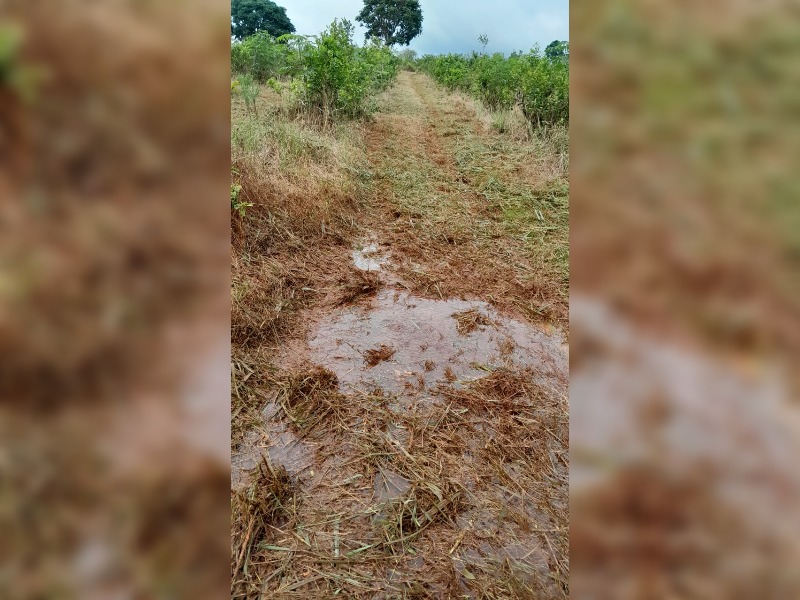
(274, 440)
(426, 352)
(428, 348)
(707, 446)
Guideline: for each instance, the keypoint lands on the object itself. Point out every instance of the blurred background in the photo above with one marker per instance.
(684, 303)
(114, 301)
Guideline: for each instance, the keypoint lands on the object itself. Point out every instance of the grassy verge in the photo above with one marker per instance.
(300, 190)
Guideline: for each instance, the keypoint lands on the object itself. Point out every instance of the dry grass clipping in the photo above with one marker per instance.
(426, 503)
(256, 510)
(377, 355)
(359, 284)
(468, 321)
(310, 395)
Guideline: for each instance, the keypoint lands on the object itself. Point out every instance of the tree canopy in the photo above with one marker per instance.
(393, 21)
(251, 16)
(557, 49)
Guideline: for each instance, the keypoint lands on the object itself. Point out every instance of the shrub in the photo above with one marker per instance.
(538, 83)
(259, 55)
(340, 79)
(329, 77)
(249, 89)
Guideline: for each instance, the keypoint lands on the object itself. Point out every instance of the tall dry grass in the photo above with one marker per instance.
(302, 187)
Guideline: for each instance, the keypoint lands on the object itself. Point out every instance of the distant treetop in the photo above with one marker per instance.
(251, 16)
(393, 21)
(557, 49)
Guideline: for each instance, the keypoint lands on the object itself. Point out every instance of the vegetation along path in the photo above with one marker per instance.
(400, 418)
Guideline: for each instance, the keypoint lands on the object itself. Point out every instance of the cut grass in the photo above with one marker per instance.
(309, 396)
(426, 503)
(359, 284)
(469, 320)
(263, 505)
(377, 355)
(481, 482)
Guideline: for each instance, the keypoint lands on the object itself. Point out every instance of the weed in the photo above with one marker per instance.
(237, 204)
(249, 89)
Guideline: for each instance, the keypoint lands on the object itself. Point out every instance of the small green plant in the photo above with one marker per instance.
(236, 204)
(249, 89)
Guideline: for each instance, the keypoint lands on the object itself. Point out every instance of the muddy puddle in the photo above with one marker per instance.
(369, 256)
(635, 400)
(274, 440)
(407, 345)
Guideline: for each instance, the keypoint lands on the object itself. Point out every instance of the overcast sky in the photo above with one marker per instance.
(453, 25)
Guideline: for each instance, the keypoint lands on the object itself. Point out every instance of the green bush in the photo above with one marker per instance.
(493, 81)
(259, 55)
(538, 84)
(249, 89)
(340, 79)
(330, 78)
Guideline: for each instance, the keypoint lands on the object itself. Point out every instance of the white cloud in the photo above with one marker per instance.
(453, 26)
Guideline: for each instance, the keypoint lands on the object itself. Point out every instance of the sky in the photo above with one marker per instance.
(453, 25)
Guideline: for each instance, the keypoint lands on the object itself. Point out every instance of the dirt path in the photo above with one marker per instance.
(415, 419)
(467, 211)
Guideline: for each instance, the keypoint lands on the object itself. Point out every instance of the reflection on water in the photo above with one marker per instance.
(427, 345)
(273, 440)
(368, 257)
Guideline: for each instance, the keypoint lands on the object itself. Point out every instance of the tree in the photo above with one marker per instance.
(251, 16)
(557, 49)
(393, 21)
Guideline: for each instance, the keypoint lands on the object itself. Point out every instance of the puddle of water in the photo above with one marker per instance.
(638, 400)
(523, 557)
(369, 257)
(390, 486)
(275, 441)
(428, 348)
(206, 409)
